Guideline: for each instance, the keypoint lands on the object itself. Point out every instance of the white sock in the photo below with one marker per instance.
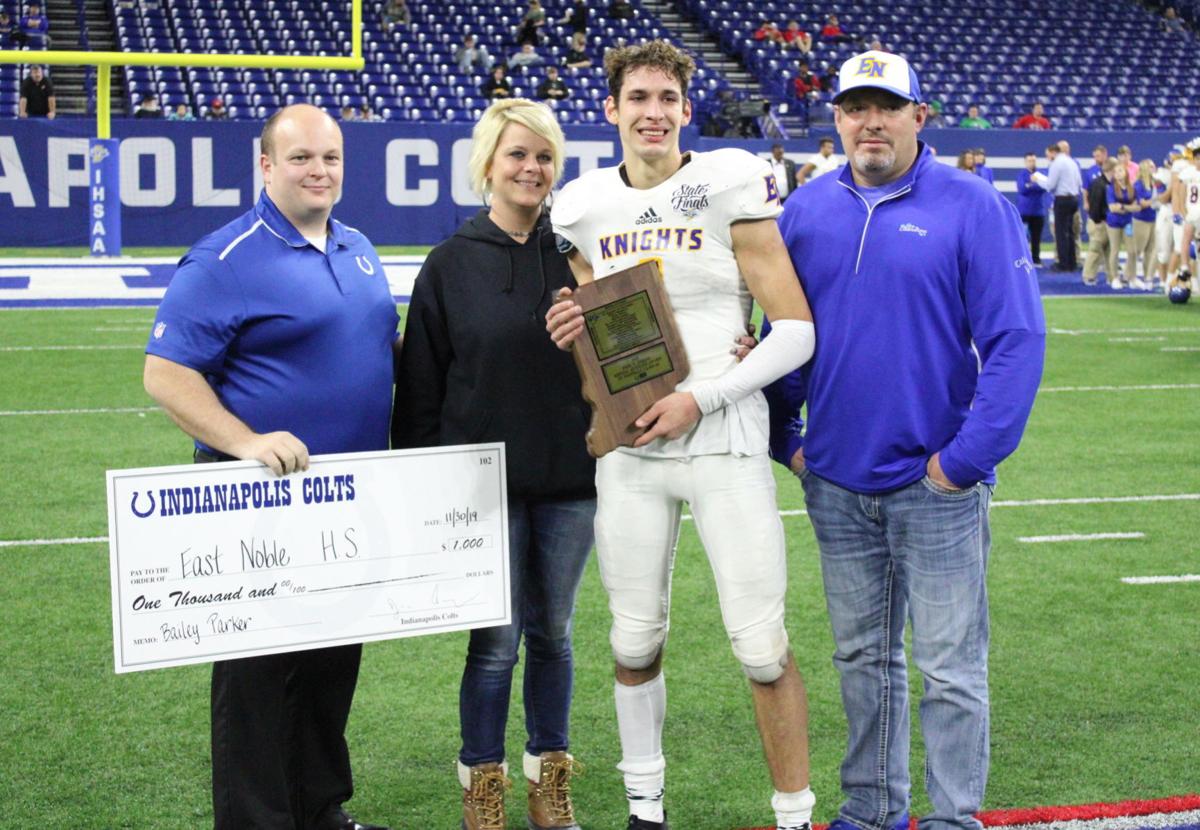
(640, 713)
(793, 811)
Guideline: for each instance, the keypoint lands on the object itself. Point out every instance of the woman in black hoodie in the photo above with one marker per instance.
(478, 366)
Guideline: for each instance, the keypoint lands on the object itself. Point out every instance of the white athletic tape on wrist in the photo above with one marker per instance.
(789, 345)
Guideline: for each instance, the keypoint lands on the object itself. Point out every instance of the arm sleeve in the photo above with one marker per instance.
(200, 314)
(788, 349)
(425, 358)
(785, 397)
(1004, 311)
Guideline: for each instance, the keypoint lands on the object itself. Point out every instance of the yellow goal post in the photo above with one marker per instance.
(105, 61)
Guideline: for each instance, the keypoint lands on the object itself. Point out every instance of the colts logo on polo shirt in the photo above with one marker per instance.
(871, 68)
(365, 265)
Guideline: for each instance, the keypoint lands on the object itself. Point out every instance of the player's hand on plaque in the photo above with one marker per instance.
(281, 451)
(670, 417)
(564, 319)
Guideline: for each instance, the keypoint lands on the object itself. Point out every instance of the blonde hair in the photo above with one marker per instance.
(1146, 170)
(485, 138)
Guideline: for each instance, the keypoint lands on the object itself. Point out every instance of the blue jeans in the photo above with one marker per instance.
(918, 553)
(548, 547)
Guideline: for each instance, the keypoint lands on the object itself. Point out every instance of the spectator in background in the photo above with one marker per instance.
(576, 17)
(497, 85)
(577, 56)
(1121, 206)
(981, 168)
(1064, 182)
(471, 54)
(1031, 204)
(348, 113)
(396, 13)
(974, 121)
(936, 117)
(1164, 226)
(966, 161)
(1141, 255)
(829, 79)
(1125, 156)
(820, 164)
(527, 56)
(148, 107)
(1171, 24)
(35, 28)
(366, 114)
(6, 31)
(620, 10)
(1035, 119)
(1096, 200)
(785, 171)
(832, 31)
(217, 110)
(37, 95)
(182, 112)
(806, 84)
(552, 88)
(768, 32)
(529, 30)
(797, 37)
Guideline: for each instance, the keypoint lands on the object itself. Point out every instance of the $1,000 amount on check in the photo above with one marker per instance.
(220, 561)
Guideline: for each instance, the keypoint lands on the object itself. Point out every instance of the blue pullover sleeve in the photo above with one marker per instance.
(785, 397)
(1004, 311)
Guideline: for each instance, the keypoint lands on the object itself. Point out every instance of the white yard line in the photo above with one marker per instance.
(1159, 580)
(80, 348)
(687, 516)
(102, 411)
(1158, 339)
(1180, 349)
(1172, 330)
(1149, 387)
(1078, 537)
(74, 540)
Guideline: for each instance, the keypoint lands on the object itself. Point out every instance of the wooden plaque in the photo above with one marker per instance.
(629, 355)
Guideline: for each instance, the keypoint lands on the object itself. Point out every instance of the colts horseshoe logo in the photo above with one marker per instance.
(365, 265)
(133, 504)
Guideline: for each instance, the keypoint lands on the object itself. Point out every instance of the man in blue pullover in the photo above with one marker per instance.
(930, 342)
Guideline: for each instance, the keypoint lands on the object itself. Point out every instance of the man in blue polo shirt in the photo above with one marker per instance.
(274, 341)
(930, 341)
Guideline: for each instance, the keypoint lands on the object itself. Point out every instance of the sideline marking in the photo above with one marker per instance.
(84, 348)
(1079, 537)
(1142, 388)
(74, 540)
(7, 412)
(1180, 349)
(1077, 332)
(1159, 580)
(1137, 339)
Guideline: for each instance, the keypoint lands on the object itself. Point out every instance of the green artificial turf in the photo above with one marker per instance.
(1093, 681)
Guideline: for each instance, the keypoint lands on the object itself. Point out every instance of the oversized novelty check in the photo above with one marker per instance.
(219, 561)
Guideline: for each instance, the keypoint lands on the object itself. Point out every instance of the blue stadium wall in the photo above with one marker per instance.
(405, 183)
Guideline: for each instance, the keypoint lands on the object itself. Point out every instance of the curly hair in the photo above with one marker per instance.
(654, 54)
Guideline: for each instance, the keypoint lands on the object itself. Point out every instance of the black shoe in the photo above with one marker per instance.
(636, 823)
(339, 819)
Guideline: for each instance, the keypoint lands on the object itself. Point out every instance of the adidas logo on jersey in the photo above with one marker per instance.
(649, 218)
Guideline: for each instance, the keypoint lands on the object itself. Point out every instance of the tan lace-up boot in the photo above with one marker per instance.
(483, 795)
(549, 780)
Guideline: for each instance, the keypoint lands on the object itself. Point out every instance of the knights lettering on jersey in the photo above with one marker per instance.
(650, 240)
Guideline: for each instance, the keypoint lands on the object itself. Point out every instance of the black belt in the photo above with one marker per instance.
(200, 456)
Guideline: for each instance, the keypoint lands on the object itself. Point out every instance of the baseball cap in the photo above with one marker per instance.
(878, 70)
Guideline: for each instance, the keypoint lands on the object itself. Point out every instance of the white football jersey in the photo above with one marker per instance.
(1190, 177)
(684, 224)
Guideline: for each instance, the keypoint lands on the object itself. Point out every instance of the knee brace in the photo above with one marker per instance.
(763, 653)
(636, 651)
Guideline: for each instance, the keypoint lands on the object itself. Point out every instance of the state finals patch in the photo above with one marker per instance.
(690, 199)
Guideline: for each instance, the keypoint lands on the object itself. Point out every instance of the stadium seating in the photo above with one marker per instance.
(1095, 64)
(410, 73)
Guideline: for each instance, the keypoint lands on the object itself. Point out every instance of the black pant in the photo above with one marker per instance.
(1064, 233)
(1035, 225)
(279, 755)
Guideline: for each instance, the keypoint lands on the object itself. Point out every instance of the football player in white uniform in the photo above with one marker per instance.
(709, 220)
(1187, 203)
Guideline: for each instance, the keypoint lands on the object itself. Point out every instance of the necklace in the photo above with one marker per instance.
(518, 233)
